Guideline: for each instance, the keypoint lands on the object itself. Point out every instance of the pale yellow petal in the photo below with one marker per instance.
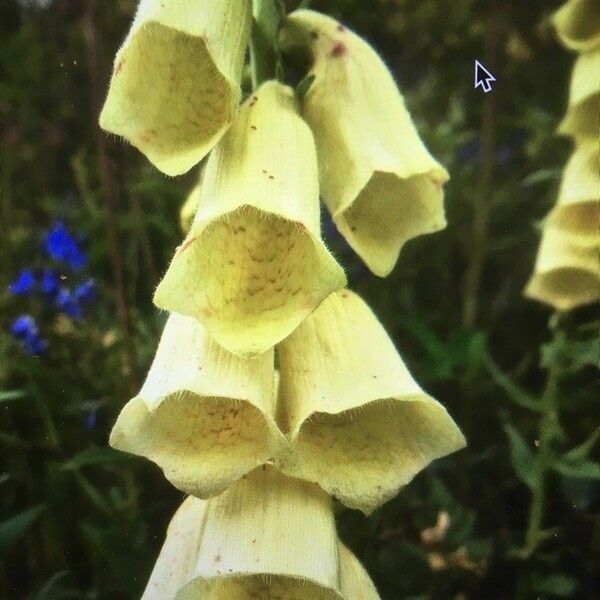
(176, 79)
(254, 265)
(359, 425)
(355, 581)
(205, 416)
(380, 183)
(583, 113)
(567, 271)
(577, 24)
(267, 537)
(270, 524)
(177, 560)
(578, 208)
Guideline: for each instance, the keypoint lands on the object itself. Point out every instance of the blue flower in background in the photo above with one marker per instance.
(90, 419)
(25, 330)
(49, 282)
(23, 284)
(85, 292)
(73, 302)
(67, 303)
(63, 247)
(36, 346)
(23, 327)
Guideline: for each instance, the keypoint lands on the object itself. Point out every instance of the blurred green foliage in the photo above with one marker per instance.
(515, 515)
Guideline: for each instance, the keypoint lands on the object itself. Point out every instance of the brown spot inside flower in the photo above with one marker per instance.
(340, 27)
(147, 135)
(338, 50)
(119, 66)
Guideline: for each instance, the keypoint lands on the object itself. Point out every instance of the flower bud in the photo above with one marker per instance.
(567, 271)
(577, 24)
(378, 180)
(577, 211)
(358, 424)
(253, 265)
(268, 536)
(203, 415)
(583, 113)
(175, 85)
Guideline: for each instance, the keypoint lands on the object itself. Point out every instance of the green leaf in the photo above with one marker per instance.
(94, 456)
(581, 452)
(96, 498)
(14, 528)
(556, 584)
(521, 457)
(585, 469)
(571, 355)
(57, 588)
(10, 395)
(511, 389)
(541, 176)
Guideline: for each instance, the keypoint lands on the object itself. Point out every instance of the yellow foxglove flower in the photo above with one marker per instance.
(203, 415)
(578, 24)
(583, 113)
(567, 271)
(359, 425)
(578, 208)
(176, 79)
(266, 537)
(380, 183)
(253, 265)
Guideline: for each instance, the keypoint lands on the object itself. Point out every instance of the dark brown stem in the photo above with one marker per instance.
(494, 34)
(108, 192)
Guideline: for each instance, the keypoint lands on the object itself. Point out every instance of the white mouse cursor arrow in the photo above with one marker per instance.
(483, 78)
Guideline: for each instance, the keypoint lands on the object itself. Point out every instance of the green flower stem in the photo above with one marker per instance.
(547, 432)
(548, 428)
(264, 51)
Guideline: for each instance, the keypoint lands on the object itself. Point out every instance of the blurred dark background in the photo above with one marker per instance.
(96, 225)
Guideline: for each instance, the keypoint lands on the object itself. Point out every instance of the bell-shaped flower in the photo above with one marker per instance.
(378, 180)
(583, 113)
(175, 85)
(578, 208)
(567, 270)
(577, 24)
(359, 425)
(268, 536)
(205, 416)
(253, 265)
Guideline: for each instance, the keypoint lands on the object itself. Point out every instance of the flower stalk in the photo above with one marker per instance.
(265, 58)
(548, 429)
(253, 284)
